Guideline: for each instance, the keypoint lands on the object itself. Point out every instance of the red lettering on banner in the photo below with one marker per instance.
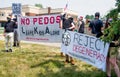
(27, 21)
(46, 20)
(22, 21)
(34, 20)
(52, 20)
(85, 51)
(58, 19)
(40, 20)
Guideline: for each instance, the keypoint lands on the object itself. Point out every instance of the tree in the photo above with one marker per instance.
(91, 17)
(115, 25)
(87, 17)
(118, 5)
(39, 5)
(113, 14)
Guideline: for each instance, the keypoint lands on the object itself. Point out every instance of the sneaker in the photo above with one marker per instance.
(6, 50)
(72, 62)
(62, 55)
(66, 61)
(10, 50)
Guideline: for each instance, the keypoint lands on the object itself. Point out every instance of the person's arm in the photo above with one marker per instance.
(4, 31)
(79, 24)
(61, 24)
(73, 26)
(89, 27)
(102, 28)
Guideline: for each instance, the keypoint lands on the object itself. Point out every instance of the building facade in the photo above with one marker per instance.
(28, 10)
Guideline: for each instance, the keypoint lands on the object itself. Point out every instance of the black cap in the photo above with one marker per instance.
(97, 14)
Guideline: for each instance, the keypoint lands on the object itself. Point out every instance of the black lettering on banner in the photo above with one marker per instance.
(35, 30)
(47, 30)
(75, 37)
(80, 40)
(96, 46)
(86, 42)
(41, 33)
(92, 42)
(23, 30)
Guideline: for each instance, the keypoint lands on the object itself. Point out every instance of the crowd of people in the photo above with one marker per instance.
(95, 27)
(67, 22)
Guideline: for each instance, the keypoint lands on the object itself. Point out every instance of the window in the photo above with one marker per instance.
(2, 14)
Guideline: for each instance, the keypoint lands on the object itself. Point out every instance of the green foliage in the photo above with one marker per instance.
(113, 14)
(114, 29)
(39, 5)
(91, 17)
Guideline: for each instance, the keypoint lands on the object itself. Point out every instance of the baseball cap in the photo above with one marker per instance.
(81, 16)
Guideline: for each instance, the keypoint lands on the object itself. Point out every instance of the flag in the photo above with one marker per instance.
(66, 6)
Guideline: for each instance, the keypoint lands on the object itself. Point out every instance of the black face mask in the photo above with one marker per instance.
(8, 19)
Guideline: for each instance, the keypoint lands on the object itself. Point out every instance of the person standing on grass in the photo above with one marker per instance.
(8, 33)
(96, 26)
(62, 19)
(67, 24)
(81, 25)
(16, 41)
(112, 53)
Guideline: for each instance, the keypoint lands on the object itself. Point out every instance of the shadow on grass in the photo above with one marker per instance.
(3, 50)
(55, 63)
(69, 71)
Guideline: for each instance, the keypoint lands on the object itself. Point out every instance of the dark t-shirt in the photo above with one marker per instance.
(81, 27)
(9, 26)
(116, 37)
(96, 26)
(67, 24)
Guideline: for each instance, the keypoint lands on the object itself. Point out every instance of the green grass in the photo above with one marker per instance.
(32, 60)
(1, 30)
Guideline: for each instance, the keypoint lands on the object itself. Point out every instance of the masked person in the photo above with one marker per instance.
(8, 33)
(67, 24)
(16, 41)
(81, 25)
(96, 26)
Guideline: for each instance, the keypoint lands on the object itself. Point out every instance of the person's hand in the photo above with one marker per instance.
(116, 42)
(4, 34)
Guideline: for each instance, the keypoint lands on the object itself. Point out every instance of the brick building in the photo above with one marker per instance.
(28, 10)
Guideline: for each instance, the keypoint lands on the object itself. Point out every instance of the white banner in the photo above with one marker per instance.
(40, 28)
(84, 47)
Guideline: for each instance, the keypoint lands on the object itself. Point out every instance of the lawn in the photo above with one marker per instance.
(32, 60)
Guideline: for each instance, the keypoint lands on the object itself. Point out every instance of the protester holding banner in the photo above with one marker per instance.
(81, 25)
(8, 33)
(67, 24)
(96, 26)
(112, 53)
(61, 24)
(16, 41)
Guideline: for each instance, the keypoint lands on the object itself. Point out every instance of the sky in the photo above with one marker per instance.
(82, 7)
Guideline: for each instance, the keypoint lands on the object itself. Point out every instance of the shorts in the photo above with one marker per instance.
(113, 52)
